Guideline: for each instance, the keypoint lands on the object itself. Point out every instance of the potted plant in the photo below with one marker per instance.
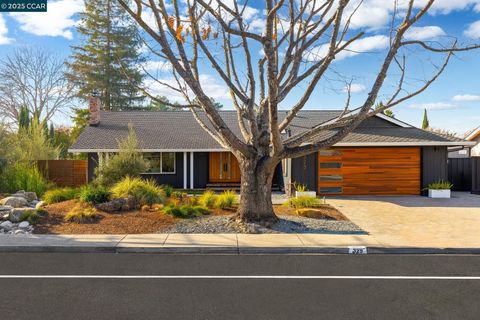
(439, 189)
(301, 190)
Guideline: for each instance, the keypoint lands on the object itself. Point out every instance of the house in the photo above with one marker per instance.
(383, 156)
(467, 152)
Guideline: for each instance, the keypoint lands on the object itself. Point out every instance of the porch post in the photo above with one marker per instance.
(191, 170)
(185, 170)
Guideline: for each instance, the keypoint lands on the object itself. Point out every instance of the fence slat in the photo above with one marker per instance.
(64, 173)
(460, 173)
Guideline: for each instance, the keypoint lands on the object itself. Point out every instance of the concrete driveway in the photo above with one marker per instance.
(414, 221)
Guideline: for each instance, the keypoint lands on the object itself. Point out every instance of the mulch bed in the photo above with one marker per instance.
(137, 222)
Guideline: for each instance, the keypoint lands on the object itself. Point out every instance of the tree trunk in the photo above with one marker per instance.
(256, 193)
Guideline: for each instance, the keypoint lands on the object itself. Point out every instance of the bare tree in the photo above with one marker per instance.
(295, 31)
(33, 78)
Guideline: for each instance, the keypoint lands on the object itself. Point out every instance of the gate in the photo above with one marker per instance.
(460, 173)
(476, 175)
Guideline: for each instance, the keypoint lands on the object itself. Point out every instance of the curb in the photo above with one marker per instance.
(233, 250)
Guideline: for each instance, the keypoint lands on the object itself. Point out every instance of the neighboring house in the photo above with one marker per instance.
(383, 156)
(467, 152)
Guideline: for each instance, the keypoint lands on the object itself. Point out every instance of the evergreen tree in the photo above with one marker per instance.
(51, 132)
(108, 58)
(80, 120)
(425, 124)
(23, 118)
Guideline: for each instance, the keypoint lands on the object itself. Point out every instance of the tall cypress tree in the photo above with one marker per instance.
(108, 58)
(425, 123)
(23, 118)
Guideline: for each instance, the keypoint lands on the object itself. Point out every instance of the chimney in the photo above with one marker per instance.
(94, 106)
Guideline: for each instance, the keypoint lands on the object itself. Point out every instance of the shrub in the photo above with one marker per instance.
(227, 199)
(22, 176)
(81, 214)
(208, 199)
(127, 162)
(178, 195)
(303, 202)
(59, 195)
(300, 187)
(32, 216)
(440, 185)
(168, 190)
(94, 194)
(185, 211)
(144, 191)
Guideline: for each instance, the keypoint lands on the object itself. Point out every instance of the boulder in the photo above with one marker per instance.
(5, 208)
(19, 231)
(24, 225)
(40, 204)
(6, 225)
(31, 196)
(119, 204)
(312, 213)
(17, 213)
(14, 201)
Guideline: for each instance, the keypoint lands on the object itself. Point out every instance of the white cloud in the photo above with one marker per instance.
(209, 84)
(424, 33)
(58, 21)
(473, 30)
(367, 44)
(3, 32)
(466, 97)
(354, 88)
(160, 66)
(433, 106)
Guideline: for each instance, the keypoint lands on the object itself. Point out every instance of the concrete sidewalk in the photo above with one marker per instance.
(209, 243)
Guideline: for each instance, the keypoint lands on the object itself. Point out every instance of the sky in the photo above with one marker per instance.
(453, 101)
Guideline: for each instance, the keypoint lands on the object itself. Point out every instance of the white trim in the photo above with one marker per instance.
(146, 150)
(405, 144)
(191, 170)
(474, 134)
(393, 120)
(184, 170)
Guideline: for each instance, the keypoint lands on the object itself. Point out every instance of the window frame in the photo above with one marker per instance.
(160, 154)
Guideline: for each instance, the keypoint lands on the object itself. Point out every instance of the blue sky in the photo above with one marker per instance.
(453, 102)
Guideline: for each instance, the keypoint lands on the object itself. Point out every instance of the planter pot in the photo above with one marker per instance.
(305, 194)
(432, 193)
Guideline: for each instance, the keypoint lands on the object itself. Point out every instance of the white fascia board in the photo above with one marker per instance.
(393, 120)
(146, 150)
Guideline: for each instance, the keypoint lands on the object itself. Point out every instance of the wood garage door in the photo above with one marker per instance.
(369, 171)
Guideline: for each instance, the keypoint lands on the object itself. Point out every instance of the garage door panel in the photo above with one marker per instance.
(380, 171)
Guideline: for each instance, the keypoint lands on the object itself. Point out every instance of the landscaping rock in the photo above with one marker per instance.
(19, 232)
(16, 213)
(14, 201)
(24, 225)
(31, 196)
(311, 213)
(40, 204)
(7, 225)
(120, 204)
(5, 208)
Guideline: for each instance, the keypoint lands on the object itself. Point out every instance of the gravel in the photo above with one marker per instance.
(287, 224)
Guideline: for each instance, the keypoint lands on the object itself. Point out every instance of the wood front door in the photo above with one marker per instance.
(369, 171)
(223, 167)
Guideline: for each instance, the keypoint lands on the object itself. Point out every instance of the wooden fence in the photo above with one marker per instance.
(65, 173)
(460, 173)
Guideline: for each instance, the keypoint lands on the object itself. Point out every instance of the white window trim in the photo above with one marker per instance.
(161, 160)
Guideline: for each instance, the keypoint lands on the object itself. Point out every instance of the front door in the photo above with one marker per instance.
(224, 167)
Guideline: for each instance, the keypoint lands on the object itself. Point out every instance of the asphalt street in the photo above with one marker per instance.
(168, 286)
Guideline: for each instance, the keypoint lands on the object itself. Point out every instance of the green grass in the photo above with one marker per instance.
(226, 200)
(303, 202)
(208, 199)
(32, 216)
(81, 214)
(185, 211)
(26, 177)
(59, 195)
(440, 185)
(145, 192)
(93, 194)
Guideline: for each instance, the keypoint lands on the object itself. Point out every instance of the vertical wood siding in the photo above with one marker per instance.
(65, 173)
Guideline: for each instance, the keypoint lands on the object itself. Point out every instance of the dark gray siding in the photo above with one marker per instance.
(92, 164)
(434, 165)
(304, 171)
(476, 175)
(200, 170)
(176, 179)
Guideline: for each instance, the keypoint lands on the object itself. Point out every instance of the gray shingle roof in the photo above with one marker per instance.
(178, 130)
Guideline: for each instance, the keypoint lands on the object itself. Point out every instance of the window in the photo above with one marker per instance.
(331, 177)
(331, 189)
(330, 153)
(330, 165)
(160, 162)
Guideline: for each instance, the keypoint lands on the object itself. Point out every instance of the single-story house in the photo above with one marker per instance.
(383, 156)
(467, 152)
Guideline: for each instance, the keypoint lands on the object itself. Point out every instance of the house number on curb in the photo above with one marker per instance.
(357, 250)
